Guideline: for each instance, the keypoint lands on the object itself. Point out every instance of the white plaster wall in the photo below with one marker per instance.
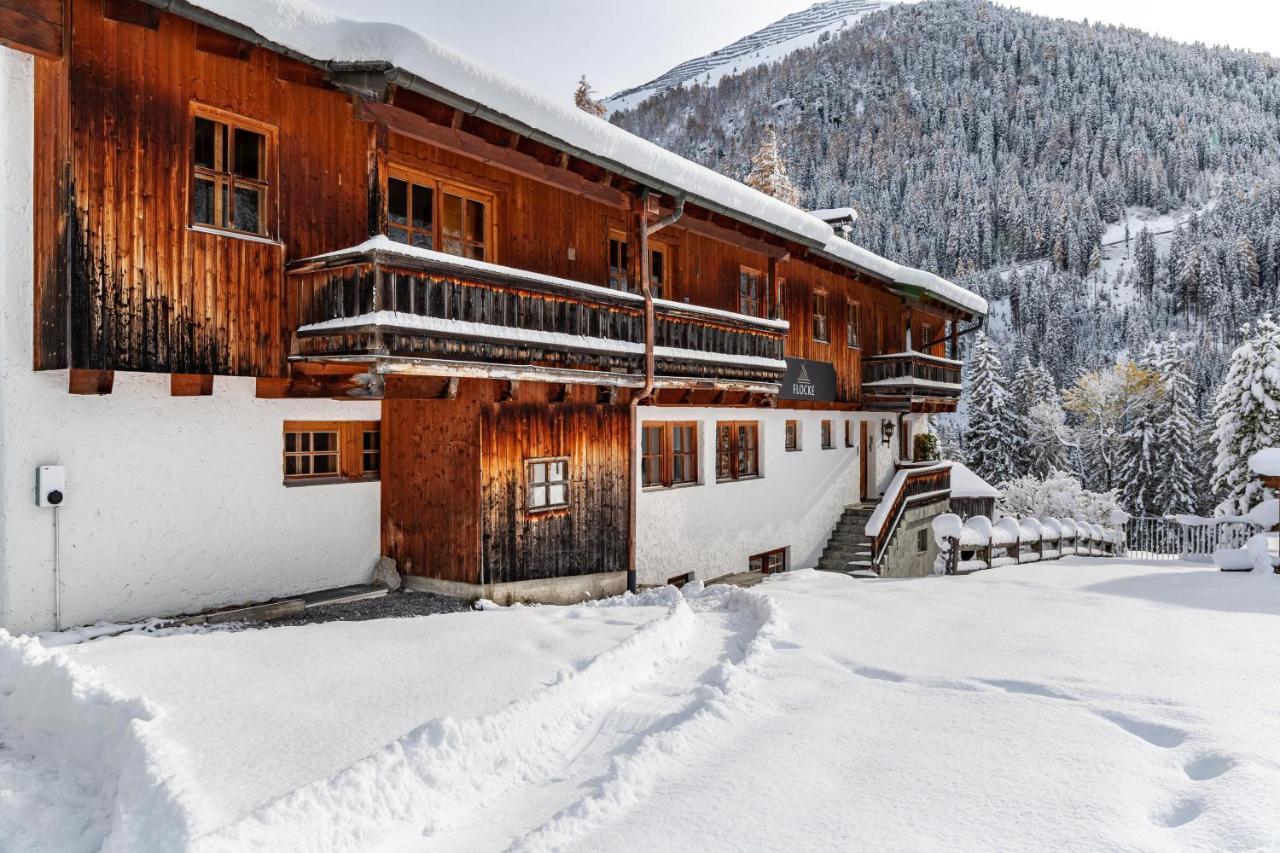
(173, 504)
(712, 528)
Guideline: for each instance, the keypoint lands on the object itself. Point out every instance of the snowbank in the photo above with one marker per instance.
(52, 708)
(1255, 556)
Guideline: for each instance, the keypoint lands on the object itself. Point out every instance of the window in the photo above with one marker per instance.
(329, 451)
(371, 452)
(922, 540)
(820, 317)
(848, 433)
(792, 437)
(659, 270)
(547, 483)
(432, 214)
(781, 310)
(853, 313)
(737, 450)
(926, 338)
(749, 291)
(769, 562)
(827, 442)
(669, 454)
(619, 261)
(230, 168)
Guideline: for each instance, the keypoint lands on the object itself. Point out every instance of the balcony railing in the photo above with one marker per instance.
(910, 381)
(385, 301)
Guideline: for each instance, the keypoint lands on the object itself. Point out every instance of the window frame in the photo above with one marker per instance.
(734, 451)
(756, 277)
(828, 436)
(848, 434)
(853, 324)
(441, 186)
(665, 457)
(922, 540)
(530, 485)
(351, 452)
(266, 185)
(821, 318)
(666, 252)
(619, 236)
(767, 562)
(791, 436)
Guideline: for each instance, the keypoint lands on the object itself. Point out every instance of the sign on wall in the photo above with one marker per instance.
(809, 380)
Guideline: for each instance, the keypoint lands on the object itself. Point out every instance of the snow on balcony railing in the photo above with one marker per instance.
(976, 543)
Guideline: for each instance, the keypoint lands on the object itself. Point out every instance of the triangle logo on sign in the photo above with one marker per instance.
(804, 375)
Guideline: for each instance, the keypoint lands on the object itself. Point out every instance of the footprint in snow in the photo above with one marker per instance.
(1181, 814)
(1156, 734)
(1206, 767)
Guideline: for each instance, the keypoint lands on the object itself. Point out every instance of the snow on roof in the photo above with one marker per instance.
(1266, 463)
(966, 484)
(835, 214)
(312, 31)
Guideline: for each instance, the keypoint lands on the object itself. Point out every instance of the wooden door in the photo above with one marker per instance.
(864, 442)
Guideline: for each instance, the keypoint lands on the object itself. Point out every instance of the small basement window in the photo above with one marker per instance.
(231, 164)
(827, 441)
(769, 562)
(331, 451)
(922, 540)
(547, 483)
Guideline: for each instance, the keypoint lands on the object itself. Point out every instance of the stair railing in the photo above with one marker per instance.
(909, 487)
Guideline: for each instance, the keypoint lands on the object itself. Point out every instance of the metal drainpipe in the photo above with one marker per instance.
(646, 231)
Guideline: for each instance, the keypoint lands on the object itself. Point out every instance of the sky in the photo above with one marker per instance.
(549, 43)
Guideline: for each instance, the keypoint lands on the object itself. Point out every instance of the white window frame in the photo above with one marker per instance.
(539, 483)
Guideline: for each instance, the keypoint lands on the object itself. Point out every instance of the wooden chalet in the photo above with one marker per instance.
(521, 292)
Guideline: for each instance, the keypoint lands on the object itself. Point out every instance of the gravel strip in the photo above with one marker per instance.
(392, 606)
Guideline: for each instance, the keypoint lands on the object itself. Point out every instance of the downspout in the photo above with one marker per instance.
(646, 231)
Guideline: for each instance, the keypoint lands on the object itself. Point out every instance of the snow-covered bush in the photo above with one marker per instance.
(1060, 496)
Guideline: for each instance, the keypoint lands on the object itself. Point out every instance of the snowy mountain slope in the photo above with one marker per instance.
(782, 37)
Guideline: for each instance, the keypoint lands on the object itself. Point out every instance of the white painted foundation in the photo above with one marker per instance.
(172, 504)
(711, 529)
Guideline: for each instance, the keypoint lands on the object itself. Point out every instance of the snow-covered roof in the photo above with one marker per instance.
(836, 214)
(966, 484)
(1266, 463)
(305, 29)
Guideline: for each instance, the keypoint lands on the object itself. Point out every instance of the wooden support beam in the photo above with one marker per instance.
(93, 382)
(508, 391)
(271, 388)
(559, 392)
(450, 389)
(688, 397)
(414, 126)
(607, 395)
(456, 121)
(190, 385)
(718, 399)
(34, 26)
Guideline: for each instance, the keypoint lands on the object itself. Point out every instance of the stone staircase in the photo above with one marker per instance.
(849, 550)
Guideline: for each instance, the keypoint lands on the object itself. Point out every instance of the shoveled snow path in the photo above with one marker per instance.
(547, 768)
(585, 781)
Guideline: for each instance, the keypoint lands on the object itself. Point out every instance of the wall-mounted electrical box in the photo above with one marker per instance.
(51, 485)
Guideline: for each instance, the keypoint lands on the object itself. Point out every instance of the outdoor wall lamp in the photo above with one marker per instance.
(886, 432)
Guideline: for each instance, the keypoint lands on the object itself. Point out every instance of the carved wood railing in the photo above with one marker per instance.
(385, 301)
(897, 379)
(910, 487)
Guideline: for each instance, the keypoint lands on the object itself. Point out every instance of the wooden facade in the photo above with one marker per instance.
(477, 369)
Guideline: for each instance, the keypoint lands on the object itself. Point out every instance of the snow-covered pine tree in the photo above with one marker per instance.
(1181, 485)
(768, 172)
(1247, 413)
(989, 437)
(1030, 386)
(1047, 442)
(583, 100)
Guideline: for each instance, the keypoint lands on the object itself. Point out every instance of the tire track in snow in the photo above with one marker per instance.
(437, 781)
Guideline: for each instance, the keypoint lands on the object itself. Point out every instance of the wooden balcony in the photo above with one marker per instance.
(910, 381)
(413, 310)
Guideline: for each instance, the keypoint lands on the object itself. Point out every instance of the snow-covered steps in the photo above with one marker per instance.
(849, 550)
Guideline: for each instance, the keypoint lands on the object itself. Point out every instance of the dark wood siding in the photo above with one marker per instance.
(34, 26)
(453, 484)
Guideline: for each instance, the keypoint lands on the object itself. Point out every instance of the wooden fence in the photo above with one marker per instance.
(963, 559)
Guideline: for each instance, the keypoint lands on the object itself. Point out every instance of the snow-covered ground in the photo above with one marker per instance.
(1079, 704)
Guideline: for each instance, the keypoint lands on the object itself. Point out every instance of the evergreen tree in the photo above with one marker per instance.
(987, 438)
(583, 99)
(1047, 442)
(768, 172)
(1180, 483)
(1247, 413)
